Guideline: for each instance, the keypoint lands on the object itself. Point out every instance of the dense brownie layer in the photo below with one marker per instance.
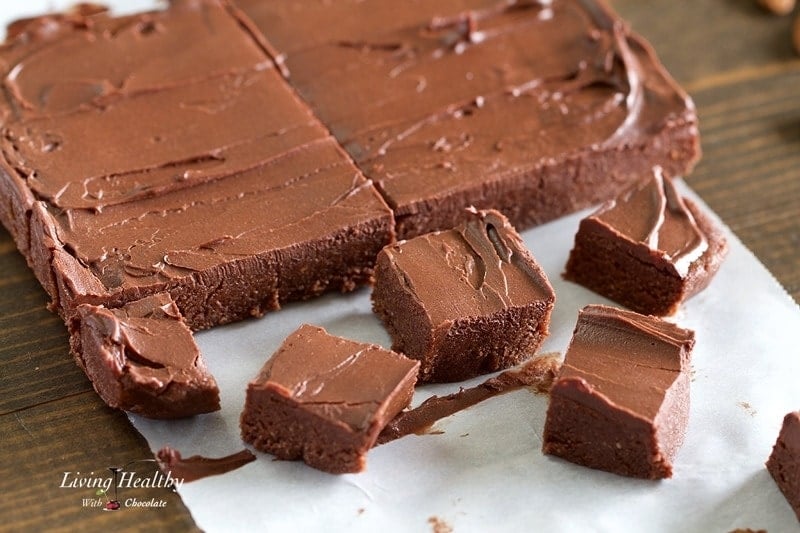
(466, 301)
(649, 249)
(324, 399)
(142, 358)
(533, 108)
(784, 463)
(621, 401)
(207, 177)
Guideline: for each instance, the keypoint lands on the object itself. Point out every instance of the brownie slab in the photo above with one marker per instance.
(533, 108)
(465, 301)
(325, 399)
(649, 249)
(784, 462)
(142, 358)
(163, 152)
(621, 401)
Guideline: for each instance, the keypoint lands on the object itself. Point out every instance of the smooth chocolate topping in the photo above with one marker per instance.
(454, 93)
(197, 467)
(336, 378)
(171, 236)
(621, 400)
(629, 360)
(142, 358)
(538, 374)
(149, 342)
(481, 266)
(205, 167)
(654, 214)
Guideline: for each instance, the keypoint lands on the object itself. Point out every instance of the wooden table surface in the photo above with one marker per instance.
(736, 61)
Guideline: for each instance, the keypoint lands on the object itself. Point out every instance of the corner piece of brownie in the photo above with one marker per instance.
(784, 463)
(465, 301)
(208, 177)
(142, 358)
(649, 250)
(621, 401)
(325, 399)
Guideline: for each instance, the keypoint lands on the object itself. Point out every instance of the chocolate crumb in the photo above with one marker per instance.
(439, 526)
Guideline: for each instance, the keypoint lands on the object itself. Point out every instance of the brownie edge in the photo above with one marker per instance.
(142, 358)
(324, 399)
(649, 249)
(621, 400)
(466, 301)
(784, 463)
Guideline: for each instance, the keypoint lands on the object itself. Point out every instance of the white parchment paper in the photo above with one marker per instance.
(486, 472)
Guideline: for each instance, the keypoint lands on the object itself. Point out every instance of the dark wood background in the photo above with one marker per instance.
(734, 59)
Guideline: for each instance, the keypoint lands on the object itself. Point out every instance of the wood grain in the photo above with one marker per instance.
(736, 61)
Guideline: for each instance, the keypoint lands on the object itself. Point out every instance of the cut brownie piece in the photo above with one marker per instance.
(650, 249)
(621, 401)
(534, 108)
(324, 399)
(142, 358)
(208, 177)
(784, 463)
(465, 301)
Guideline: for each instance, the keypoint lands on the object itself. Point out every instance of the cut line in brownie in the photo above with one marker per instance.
(324, 399)
(172, 156)
(621, 400)
(784, 462)
(465, 301)
(536, 109)
(649, 249)
(142, 358)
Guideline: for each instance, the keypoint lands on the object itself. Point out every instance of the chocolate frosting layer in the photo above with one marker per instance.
(114, 77)
(629, 361)
(338, 379)
(431, 98)
(142, 358)
(204, 165)
(653, 214)
(198, 467)
(538, 374)
(482, 266)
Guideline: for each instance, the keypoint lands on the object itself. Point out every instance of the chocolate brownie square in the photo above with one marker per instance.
(465, 301)
(325, 399)
(163, 152)
(536, 109)
(621, 400)
(649, 250)
(784, 463)
(142, 358)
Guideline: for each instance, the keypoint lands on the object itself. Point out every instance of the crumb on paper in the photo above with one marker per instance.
(439, 526)
(748, 530)
(464, 435)
(360, 511)
(750, 411)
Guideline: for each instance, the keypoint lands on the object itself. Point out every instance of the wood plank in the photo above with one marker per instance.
(76, 434)
(35, 364)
